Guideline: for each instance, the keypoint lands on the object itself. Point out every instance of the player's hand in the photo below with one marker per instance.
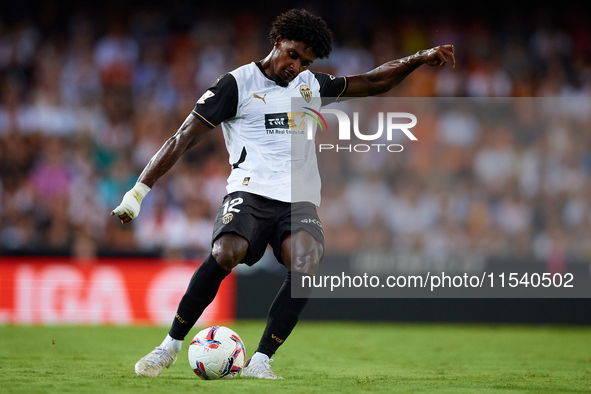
(130, 206)
(124, 216)
(439, 56)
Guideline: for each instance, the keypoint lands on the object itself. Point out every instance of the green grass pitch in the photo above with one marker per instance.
(319, 357)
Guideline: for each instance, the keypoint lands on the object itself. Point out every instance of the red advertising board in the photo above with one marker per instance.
(108, 291)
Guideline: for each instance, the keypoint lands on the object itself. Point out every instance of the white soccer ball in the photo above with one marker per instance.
(217, 353)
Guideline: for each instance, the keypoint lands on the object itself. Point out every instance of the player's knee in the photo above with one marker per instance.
(228, 258)
(229, 250)
(307, 262)
(302, 253)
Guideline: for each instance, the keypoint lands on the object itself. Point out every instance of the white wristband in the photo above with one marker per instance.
(142, 190)
(132, 201)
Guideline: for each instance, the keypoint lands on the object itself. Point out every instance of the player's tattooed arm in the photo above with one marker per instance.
(190, 133)
(390, 74)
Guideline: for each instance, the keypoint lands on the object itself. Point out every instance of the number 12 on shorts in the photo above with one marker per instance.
(229, 205)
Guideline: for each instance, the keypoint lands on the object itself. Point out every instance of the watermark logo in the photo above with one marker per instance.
(345, 124)
(317, 117)
(302, 122)
(389, 122)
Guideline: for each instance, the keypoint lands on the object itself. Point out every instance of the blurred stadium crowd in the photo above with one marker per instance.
(88, 96)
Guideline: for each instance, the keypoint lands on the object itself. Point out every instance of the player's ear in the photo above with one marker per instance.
(278, 41)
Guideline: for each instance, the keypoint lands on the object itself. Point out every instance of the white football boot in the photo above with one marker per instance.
(153, 363)
(259, 370)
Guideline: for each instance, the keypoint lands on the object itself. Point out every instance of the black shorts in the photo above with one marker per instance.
(262, 221)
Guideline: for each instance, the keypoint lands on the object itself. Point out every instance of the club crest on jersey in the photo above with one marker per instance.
(306, 93)
(227, 218)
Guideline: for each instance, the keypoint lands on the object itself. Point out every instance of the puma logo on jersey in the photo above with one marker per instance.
(259, 97)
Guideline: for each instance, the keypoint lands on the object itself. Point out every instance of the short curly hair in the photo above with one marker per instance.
(303, 26)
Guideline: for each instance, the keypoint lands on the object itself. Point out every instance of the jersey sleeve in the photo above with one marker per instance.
(218, 103)
(331, 87)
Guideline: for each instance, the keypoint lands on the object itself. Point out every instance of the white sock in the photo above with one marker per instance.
(172, 344)
(258, 357)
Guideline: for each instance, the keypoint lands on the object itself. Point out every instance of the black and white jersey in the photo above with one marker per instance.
(272, 151)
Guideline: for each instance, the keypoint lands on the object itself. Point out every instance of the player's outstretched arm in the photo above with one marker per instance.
(190, 133)
(388, 75)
